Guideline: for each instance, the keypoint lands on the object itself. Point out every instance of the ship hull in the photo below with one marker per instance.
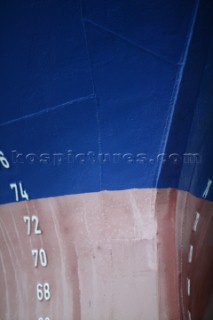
(110, 255)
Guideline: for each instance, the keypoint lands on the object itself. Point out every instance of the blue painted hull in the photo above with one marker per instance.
(106, 96)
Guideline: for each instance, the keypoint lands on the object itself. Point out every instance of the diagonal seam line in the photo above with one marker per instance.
(94, 91)
(130, 42)
(176, 88)
(43, 111)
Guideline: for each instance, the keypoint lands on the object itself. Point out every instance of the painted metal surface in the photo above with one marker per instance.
(100, 95)
(110, 255)
(102, 257)
(106, 128)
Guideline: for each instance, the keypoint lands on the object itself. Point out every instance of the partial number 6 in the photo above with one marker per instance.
(4, 161)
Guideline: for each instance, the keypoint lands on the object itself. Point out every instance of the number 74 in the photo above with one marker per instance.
(19, 191)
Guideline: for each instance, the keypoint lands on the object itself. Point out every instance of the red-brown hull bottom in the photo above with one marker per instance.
(141, 254)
